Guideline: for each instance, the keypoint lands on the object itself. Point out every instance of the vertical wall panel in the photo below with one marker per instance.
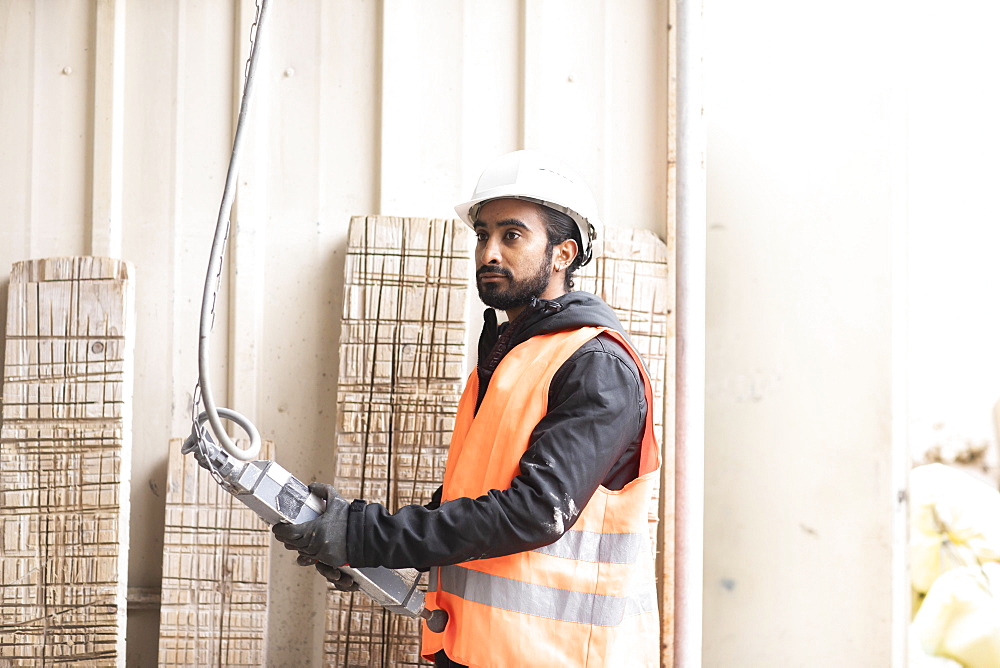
(296, 387)
(634, 127)
(61, 136)
(348, 82)
(205, 122)
(248, 216)
(492, 89)
(108, 128)
(565, 84)
(422, 49)
(166, 287)
(16, 114)
(178, 124)
(798, 420)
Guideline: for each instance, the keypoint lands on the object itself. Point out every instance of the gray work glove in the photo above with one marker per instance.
(337, 577)
(334, 576)
(323, 539)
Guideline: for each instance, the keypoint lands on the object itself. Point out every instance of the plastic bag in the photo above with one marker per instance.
(954, 521)
(960, 617)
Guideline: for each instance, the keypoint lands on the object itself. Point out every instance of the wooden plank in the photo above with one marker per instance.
(402, 369)
(65, 460)
(632, 276)
(216, 557)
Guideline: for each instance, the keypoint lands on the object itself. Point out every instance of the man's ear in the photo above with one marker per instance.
(563, 255)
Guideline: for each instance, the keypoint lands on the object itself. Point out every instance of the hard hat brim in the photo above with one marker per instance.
(467, 212)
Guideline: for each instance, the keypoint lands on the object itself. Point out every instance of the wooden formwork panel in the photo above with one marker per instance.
(216, 556)
(633, 277)
(65, 462)
(402, 370)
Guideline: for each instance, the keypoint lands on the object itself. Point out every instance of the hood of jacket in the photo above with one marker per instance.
(570, 311)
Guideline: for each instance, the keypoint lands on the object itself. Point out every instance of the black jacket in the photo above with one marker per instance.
(591, 435)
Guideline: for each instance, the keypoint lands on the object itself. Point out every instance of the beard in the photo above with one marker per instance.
(516, 293)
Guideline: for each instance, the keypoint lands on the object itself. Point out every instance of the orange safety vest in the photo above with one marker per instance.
(589, 598)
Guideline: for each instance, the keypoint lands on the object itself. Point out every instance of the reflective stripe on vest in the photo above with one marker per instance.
(541, 601)
(596, 548)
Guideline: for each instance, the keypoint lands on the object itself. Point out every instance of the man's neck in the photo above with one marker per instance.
(514, 312)
(549, 295)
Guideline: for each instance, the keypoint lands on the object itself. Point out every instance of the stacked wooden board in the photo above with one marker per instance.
(402, 369)
(216, 556)
(633, 276)
(64, 462)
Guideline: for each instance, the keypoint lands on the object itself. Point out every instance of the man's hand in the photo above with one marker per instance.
(323, 539)
(335, 576)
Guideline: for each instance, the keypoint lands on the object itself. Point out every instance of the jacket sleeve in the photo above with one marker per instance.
(596, 412)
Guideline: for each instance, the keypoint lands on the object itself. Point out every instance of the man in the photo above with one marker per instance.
(537, 542)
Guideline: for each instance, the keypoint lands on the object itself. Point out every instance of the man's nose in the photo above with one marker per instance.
(491, 252)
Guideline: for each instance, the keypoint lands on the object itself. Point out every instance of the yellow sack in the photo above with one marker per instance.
(960, 617)
(954, 521)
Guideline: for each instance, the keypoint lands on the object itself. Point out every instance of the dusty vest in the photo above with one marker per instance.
(589, 598)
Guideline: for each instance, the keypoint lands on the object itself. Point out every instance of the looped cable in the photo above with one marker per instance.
(241, 421)
(213, 278)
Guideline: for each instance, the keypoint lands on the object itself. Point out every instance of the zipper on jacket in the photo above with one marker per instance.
(500, 348)
(503, 343)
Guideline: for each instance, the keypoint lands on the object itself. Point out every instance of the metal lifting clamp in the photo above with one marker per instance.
(277, 496)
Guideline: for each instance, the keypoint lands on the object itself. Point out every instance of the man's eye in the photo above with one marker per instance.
(511, 235)
(481, 237)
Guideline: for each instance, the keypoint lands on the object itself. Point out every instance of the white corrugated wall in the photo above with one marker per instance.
(800, 329)
(116, 121)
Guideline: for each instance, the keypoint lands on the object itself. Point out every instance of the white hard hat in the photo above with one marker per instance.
(535, 177)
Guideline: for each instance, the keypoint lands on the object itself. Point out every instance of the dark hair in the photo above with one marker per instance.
(561, 227)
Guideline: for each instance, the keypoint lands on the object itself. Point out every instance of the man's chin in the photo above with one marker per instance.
(491, 296)
(502, 301)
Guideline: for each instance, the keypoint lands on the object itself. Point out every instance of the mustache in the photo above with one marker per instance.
(501, 271)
